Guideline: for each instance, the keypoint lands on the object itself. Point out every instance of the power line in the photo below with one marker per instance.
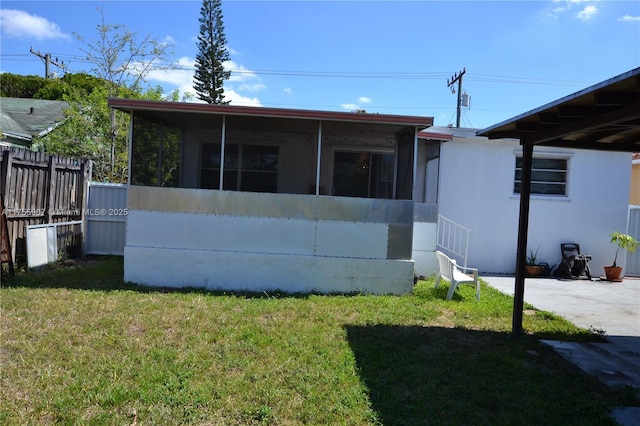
(390, 75)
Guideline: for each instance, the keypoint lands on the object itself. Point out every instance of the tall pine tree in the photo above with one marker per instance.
(212, 52)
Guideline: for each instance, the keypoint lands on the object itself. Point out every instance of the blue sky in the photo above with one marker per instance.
(385, 57)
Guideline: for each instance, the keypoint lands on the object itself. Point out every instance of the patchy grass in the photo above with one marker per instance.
(79, 346)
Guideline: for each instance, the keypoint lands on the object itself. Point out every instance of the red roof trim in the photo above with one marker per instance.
(135, 104)
(425, 134)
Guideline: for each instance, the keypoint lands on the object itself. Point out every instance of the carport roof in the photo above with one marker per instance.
(605, 116)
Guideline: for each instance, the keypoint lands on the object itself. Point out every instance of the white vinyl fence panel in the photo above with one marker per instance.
(633, 229)
(106, 217)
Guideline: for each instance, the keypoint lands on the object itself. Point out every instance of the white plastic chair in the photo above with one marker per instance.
(455, 274)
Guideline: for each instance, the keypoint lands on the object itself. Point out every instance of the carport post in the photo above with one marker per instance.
(523, 230)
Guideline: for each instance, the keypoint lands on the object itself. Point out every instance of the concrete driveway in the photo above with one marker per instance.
(611, 308)
(602, 305)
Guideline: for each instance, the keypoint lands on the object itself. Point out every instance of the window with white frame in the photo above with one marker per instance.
(548, 175)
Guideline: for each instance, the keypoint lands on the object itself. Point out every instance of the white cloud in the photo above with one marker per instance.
(353, 107)
(237, 99)
(587, 13)
(629, 18)
(570, 2)
(288, 90)
(239, 73)
(169, 41)
(17, 23)
(252, 87)
(350, 107)
(182, 79)
(589, 9)
(242, 80)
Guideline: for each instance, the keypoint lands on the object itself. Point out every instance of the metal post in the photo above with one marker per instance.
(222, 146)
(523, 229)
(415, 163)
(319, 160)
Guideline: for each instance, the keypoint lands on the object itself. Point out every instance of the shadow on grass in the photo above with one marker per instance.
(433, 375)
(106, 273)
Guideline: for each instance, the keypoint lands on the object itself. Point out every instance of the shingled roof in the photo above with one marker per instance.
(22, 120)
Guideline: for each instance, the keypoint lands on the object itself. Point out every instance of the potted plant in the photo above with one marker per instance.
(531, 266)
(625, 242)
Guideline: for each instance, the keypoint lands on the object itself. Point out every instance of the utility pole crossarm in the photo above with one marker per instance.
(47, 60)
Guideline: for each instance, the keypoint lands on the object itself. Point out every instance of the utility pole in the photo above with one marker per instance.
(458, 78)
(47, 60)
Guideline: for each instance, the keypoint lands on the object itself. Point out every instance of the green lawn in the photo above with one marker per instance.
(79, 346)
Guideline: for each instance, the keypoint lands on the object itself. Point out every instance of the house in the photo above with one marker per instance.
(602, 117)
(23, 120)
(578, 196)
(262, 199)
(245, 198)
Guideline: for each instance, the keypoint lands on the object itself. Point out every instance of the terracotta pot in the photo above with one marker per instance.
(533, 270)
(612, 273)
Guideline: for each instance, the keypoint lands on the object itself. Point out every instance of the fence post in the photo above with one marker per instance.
(8, 159)
(51, 188)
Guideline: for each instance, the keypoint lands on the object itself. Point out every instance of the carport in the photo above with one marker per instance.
(603, 117)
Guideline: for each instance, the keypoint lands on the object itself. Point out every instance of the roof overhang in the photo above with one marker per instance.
(16, 135)
(603, 117)
(131, 105)
(436, 134)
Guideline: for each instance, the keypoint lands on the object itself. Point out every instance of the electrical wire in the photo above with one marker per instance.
(391, 75)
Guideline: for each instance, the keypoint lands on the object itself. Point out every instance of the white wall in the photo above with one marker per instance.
(231, 240)
(476, 190)
(424, 248)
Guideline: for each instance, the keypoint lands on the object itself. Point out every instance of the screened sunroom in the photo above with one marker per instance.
(258, 199)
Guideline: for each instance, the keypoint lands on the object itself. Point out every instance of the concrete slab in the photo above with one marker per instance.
(613, 308)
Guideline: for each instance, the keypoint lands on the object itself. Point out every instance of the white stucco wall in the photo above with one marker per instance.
(476, 190)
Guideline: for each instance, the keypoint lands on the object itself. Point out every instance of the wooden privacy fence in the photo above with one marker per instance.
(38, 188)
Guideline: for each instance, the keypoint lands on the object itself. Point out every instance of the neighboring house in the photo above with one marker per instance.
(24, 120)
(310, 200)
(634, 191)
(578, 196)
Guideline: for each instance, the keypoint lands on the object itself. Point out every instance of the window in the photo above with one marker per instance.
(548, 176)
(363, 174)
(155, 154)
(252, 168)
